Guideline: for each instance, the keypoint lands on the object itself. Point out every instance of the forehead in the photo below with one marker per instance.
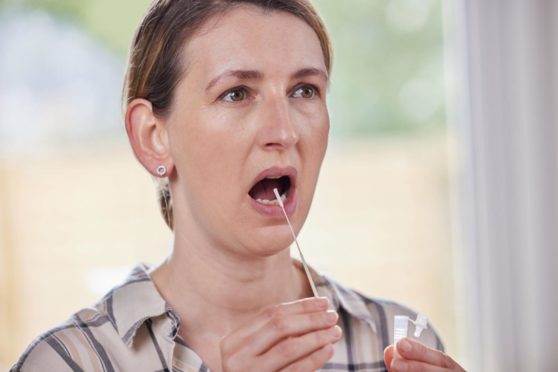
(249, 37)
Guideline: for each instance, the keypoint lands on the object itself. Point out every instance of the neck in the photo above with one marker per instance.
(213, 292)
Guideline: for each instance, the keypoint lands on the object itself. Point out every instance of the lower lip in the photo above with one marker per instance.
(274, 210)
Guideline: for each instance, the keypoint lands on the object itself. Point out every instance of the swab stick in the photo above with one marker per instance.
(314, 290)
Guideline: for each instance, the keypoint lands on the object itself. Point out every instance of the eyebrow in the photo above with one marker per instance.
(310, 71)
(257, 75)
(239, 74)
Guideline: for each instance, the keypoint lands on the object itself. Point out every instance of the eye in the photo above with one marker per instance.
(235, 95)
(305, 91)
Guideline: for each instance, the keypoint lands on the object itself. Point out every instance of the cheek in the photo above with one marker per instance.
(314, 145)
(324, 135)
(316, 134)
(208, 154)
(200, 158)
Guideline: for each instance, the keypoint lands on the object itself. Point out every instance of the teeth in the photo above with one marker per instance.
(268, 202)
(274, 177)
(272, 202)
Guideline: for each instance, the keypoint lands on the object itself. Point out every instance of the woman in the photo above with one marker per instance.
(225, 100)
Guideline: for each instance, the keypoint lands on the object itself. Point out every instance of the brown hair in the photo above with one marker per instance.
(154, 68)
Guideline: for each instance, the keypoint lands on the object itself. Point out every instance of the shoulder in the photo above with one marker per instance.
(71, 346)
(380, 313)
(100, 337)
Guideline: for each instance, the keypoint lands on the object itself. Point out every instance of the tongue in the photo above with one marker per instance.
(264, 189)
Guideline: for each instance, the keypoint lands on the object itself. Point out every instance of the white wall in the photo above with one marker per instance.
(508, 53)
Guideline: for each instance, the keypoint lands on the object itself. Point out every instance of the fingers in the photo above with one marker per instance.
(280, 326)
(281, 335)
(415, 356)
(413, 350)
(300, 351)
(283, 320)
(306, 305)
(313, 362)
(388, 355)
(402, 365)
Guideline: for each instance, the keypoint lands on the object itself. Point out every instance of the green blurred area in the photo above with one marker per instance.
(113, 22)
(388, 57)
(374, 60)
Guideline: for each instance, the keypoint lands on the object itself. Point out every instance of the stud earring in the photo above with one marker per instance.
(161, 170)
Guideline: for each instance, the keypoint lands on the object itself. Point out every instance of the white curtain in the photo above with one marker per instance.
(507, 54)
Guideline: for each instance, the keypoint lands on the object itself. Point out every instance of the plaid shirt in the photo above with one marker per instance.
(133, 329)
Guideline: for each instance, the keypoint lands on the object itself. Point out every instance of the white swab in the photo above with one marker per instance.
(314, 291)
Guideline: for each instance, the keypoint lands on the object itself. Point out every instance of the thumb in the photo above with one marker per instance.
(388, 356)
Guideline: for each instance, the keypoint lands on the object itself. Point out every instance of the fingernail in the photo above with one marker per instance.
(404, 345)
(321, 302)
(335, 332)
(399, 365)
(331, 316)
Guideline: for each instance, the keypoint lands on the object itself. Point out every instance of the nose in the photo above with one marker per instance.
(279, 130)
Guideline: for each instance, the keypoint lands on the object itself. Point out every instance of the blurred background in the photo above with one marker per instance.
(437, 190)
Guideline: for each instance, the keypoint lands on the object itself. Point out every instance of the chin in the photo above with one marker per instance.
(271, 241)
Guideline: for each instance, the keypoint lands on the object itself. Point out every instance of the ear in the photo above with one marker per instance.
(148, 136)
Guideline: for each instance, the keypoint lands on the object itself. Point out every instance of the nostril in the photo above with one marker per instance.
(283, 140)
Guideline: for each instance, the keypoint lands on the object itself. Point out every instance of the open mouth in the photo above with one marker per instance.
(262, 191)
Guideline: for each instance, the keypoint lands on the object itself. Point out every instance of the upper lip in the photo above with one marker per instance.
(277, 171)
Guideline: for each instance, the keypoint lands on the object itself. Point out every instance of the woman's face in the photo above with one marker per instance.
(249, 115)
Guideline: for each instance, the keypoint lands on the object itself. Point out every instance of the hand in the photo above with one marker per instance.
(294, 336)
(414, 356)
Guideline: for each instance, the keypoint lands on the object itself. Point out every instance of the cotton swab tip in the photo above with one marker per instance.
(276, 192)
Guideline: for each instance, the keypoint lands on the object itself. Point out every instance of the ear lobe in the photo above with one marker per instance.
(148, 136)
